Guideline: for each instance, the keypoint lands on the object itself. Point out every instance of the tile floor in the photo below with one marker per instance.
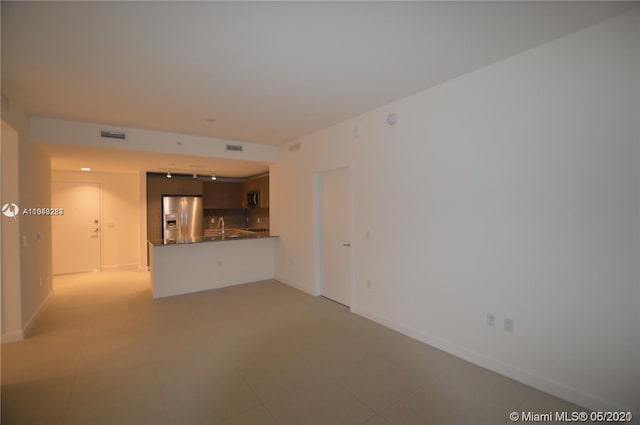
(104, 352)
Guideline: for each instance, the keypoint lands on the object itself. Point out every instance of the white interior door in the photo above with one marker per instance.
(335, 235)
(76, 234)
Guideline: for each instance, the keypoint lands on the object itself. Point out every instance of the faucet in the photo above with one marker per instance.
(221, 223)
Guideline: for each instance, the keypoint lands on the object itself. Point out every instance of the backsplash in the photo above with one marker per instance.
(258, 218)
(237, 218)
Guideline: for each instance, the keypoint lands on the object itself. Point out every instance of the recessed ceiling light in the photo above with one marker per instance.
(85, 169)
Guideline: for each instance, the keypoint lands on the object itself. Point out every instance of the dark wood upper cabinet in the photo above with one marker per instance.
(154, 207)
(256, 185)
(221, 195)
(176, 186)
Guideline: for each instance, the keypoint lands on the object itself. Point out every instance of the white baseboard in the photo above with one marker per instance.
(298, 287)
(131, 266)
(35, 314)
(12, 336)
(541, 383)
(19, 335)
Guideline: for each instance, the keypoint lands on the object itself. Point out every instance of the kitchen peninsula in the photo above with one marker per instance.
(210, 262)
(189, 249)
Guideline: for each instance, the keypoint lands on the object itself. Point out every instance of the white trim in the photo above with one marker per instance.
(317, 258)
(12, 337)
(34, 316)
(295, 286)
(19, 335)
(129, 266)
(541, 383)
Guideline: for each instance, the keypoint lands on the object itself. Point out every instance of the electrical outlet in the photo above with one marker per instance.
(508, 325)
(368, 284)
(219, 263)
(491, 320)
(290, 261)
(367, 234)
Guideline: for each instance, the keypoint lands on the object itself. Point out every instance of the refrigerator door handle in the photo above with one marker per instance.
(183, 218)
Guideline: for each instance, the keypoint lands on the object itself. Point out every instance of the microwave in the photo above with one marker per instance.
(253, 199)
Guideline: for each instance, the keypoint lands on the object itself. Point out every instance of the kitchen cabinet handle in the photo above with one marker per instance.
(346, 244)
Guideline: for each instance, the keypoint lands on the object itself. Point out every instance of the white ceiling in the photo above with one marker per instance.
(267, 72)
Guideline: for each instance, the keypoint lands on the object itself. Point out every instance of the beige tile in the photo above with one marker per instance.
(366, 378)
(258, 415)
(121, 351)
(376, 420)
(186, 362)
(319, 404)
(539, 402)
(106, 352)
(208, 399)
(483, 415)
(499, 397)
(35, 402)
(411, 353)
(272, 376)
(99, 392)
(50, 355)
(427, 406)
(460, 380)
(138, 410)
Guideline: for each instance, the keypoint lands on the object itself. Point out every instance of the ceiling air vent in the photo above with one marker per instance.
(294, 147)
(237, 148)
(113, 134)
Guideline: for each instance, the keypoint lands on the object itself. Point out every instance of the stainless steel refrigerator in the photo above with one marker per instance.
(181, 218)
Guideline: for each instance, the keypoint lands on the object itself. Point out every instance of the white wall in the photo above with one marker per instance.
(512, 190)
(35, 231)
(11, 298)
(120, 215)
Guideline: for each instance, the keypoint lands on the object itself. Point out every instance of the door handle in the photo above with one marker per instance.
(346, 244)
(96, 229)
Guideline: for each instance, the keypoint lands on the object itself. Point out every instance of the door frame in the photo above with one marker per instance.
(100, 218)
(317, 217)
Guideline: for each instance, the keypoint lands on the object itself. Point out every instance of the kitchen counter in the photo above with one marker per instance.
(214, 236)
(202, 263)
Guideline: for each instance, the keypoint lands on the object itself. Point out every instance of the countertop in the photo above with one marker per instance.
(230, 235)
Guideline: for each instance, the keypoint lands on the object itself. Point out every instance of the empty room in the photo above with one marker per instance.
(301, 212)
